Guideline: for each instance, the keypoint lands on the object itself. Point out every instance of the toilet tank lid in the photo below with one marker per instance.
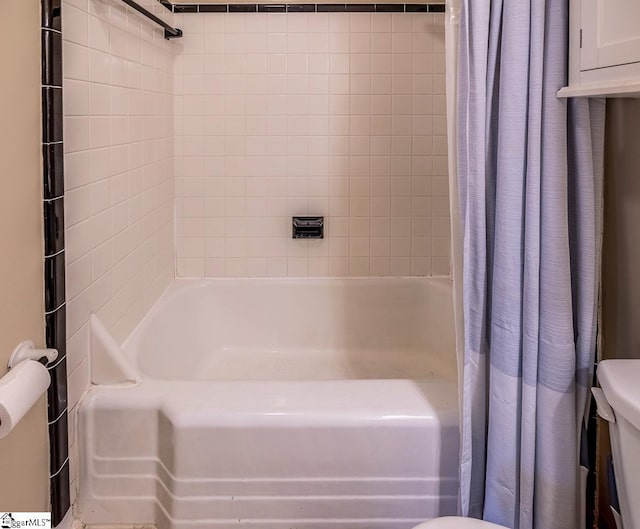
(620, 381)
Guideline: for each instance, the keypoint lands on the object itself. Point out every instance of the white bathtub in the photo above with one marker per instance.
(279, 404)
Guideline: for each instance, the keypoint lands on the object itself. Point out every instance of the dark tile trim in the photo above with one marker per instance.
(51, 14)
(243, 8)
(331, 8)
(51, 58)
(272, 8)
(54, 255)
(167, 5)
(57, 397)
(389, 8)
(53, 226)
(58, 432)
(360, 8)
(60, 495)
(304, 8)
(53, 171)
(51, 115)
(185, 8)
(212, 8)
(301, 8)
(56, 330)
(54, 282)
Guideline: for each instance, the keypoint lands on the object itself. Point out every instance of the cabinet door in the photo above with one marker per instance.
(610, 33)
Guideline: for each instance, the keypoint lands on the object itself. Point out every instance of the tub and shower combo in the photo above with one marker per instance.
(276, 403)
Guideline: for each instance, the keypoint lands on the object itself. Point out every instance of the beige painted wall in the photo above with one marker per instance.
(24, 454)
(621, 244)
(621, 257)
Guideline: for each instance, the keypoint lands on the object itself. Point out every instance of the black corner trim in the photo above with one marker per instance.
(54, 282)
(56, 330)
(54, 255)
(53, 226)
(60, 495)
(51, 115)
(437, 8)
(58, 435)
(51, 14)
(53, 171)
(51, 58)
(57, 393)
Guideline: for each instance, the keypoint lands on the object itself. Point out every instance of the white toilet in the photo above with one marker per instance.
(457, 522)
(619, 403)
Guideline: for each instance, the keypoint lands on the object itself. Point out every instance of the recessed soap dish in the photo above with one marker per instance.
(308, 227)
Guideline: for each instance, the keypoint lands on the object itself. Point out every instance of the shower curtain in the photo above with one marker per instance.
(529, 192)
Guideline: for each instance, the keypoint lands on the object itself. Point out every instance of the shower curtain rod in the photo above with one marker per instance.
(169, 31)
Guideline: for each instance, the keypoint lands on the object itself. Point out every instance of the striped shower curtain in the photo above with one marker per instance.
(530, 191)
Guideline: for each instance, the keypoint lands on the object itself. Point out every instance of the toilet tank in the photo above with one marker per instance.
(620, 382)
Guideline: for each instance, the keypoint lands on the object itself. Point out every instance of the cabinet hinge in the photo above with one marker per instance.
(580, 38)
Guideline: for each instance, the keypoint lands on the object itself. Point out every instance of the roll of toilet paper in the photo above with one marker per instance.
(20, 389)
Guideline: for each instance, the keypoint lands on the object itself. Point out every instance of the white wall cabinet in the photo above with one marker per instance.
(604, 57)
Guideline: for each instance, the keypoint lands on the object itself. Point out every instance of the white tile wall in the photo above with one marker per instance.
(268, 116)
(334, 114)
(118, 107)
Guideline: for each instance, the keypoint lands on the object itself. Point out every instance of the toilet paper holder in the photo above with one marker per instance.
(27, 351)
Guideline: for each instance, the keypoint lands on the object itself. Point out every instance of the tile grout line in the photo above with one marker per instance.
(58, 362)
(55, 310)
(57, 472)
(58, 417)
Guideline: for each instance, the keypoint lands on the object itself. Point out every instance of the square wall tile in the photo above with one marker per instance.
(332, 113)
